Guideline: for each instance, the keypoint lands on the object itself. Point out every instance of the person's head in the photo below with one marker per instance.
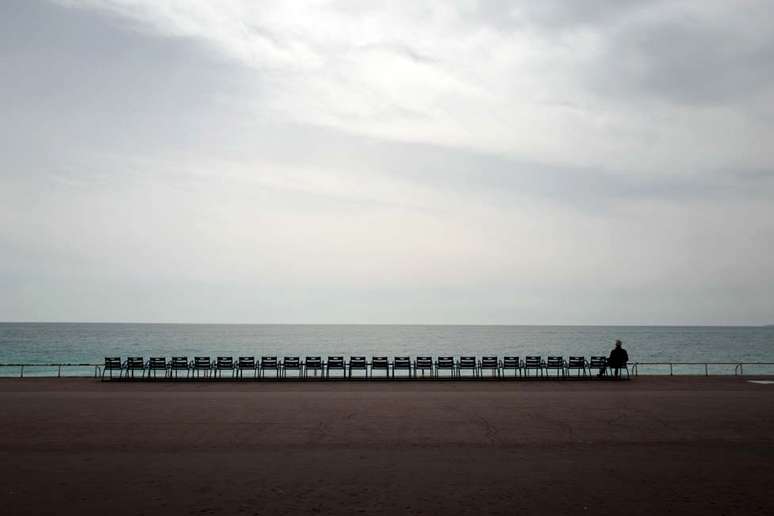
(618, 343)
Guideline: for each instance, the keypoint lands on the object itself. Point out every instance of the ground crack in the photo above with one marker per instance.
(489, 430)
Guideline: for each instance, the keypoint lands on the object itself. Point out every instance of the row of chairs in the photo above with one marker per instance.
(356, 366)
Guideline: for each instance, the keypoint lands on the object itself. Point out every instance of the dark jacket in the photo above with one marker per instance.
(618, 357)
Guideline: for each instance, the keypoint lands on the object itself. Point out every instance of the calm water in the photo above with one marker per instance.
(90, 343)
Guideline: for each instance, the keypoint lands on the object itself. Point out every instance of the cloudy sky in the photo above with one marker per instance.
(553, 162)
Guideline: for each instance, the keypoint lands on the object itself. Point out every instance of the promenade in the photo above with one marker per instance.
(653, 445)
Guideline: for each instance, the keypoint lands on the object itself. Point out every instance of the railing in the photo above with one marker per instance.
(738, 366)
(58, 367)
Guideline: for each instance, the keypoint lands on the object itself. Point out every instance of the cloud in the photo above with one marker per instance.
(630, 83)
(367, 162)
(712, 55)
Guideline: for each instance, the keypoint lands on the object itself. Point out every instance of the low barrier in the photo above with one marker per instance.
(738, 367)
(58, 367)
(60, 370)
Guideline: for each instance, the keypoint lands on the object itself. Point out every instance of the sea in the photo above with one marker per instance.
(41, 345)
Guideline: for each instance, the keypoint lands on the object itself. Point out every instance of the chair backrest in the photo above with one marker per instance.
(135, 363)
(313, 362)
(576, 362)
(224, 363)
(423, 363)
(112, 362)
(533, 361)
(246, 363)
(445, 362)
(511, 362)
(598, 362)
(467, 362)
(269, 362)
(555, 362)
(335, 362)
(489, 362)
(357, 362)
(157, 363)
(202, 363)
(179, 363)
(380, 363)
(401, 363)
(291, 363)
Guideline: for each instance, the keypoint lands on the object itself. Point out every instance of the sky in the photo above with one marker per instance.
(353, 161)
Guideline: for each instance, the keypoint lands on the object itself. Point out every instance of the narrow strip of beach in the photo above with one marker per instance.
(684, 445)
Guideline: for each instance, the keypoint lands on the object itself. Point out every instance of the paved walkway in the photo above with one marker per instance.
(654, 445)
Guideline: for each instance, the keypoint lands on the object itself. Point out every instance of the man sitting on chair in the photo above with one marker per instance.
(618, 358)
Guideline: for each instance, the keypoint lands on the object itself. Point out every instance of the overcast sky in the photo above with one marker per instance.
(552, 162)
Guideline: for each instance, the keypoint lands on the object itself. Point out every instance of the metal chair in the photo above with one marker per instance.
(467, 363)
(223, 364)
(617, 373)
(291, 364)
(202, 364)
(156, 364)
(555, 364)
(533, 363)
(578, 364)
(358, 364)
(269, 363)
(401, 364)
(511, 362)
(112, 364)
(134, 364)
(313, 364)
(246, 364)
(598, 363)
(380, 364)
(445, 364)
(623, 368)
(490, 363)
(423, 364)
(179, 364)
(335, 363)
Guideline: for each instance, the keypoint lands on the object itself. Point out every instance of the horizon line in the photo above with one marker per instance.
(668, 325)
